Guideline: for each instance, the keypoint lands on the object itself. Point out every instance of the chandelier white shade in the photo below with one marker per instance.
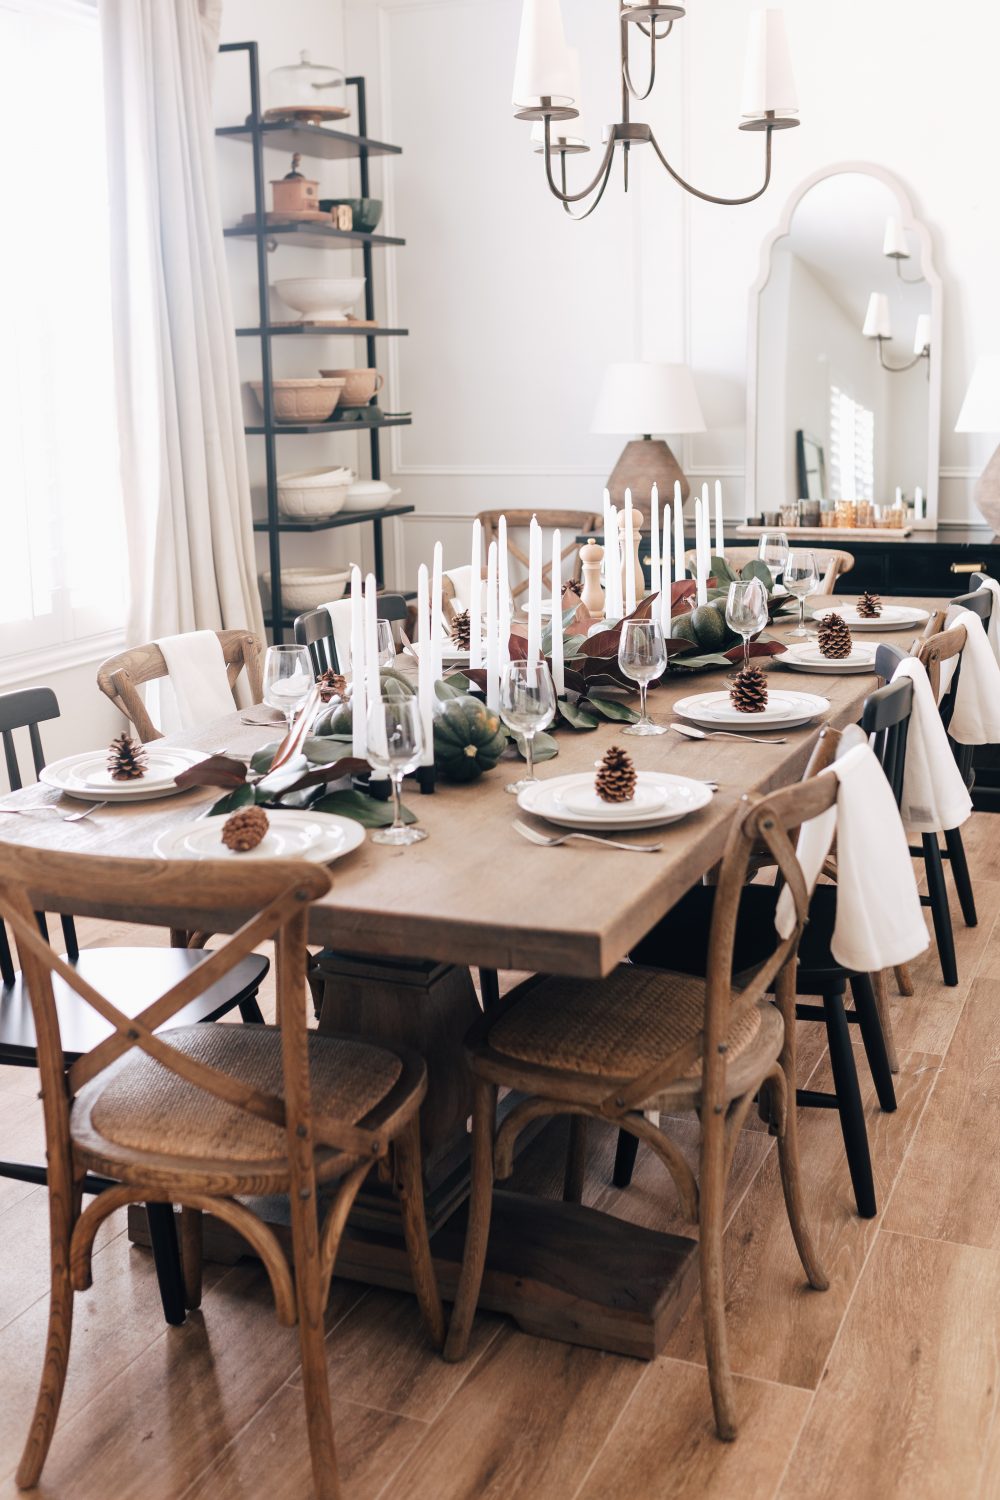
(877, 324)
(922, 333)
(981, 407)
(543, 73)
(894, 242)
(768, 80)
(565, 135)
(647, 398)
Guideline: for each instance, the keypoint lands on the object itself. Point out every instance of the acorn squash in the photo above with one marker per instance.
(468, 738)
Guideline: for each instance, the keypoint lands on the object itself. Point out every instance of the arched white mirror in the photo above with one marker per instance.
(844, 368)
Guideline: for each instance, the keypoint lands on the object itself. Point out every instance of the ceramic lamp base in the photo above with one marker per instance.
(643, 463)
(987, 493)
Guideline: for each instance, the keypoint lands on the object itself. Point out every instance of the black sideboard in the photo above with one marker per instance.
(935, 563)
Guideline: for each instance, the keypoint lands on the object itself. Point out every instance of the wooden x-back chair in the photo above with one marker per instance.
(206, 1116)
(644, 1040)
(121, 676)
(570, 523)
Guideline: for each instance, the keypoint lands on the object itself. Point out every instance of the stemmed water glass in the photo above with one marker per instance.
(801, 578)
(642, 655)
(395, 745)
(527, 704)
(386, 644)
(288, 678)
(746, 611)
(772, 549)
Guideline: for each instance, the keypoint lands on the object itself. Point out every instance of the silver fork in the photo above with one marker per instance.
(553, 842)
(77, 817)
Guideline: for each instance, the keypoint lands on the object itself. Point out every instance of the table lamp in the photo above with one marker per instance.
(981, 413)
(647, 398)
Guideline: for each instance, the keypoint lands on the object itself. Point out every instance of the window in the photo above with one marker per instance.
(63, 575)
(852, 448)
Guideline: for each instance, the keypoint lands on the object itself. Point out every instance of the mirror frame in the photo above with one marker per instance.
(922, 235)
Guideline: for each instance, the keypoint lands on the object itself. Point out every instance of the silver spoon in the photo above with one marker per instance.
(722, 734)
(534, 837)
(77, 817)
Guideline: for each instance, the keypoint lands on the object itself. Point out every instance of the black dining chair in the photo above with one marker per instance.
(131, 977)
(678, 943)
(314, 630)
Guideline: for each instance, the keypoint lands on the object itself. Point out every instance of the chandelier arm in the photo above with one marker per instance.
(907, 280)
(553, 186)
(901, 369)
(626, 70)
(577, 218)
(711, 197)
(659, 35)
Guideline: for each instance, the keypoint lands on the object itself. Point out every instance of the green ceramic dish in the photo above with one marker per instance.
(366, 211)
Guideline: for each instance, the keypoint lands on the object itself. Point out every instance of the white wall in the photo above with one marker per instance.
(514, 310)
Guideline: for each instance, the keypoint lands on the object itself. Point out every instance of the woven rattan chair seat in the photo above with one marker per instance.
(618, 1027)
(138, 1105)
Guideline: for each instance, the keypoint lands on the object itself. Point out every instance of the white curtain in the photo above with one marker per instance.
(183, 455)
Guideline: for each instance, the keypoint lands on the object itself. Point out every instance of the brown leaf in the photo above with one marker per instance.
(301, 725)
(217, 770)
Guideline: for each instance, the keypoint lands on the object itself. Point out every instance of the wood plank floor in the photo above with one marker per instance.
(885, 1386)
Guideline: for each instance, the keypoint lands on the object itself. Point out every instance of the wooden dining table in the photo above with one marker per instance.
(399, 931)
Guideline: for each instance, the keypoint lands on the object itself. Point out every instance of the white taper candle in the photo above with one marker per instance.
(425, 666)
(665, 596)
(654, 539)
(558, 668)
(372, 672)
(503, 585)
(359, 695)
(719, 529)
(476, 598)
(437, 613)
(679, 568)
(492, 633)
(628, 557)
(534, 590)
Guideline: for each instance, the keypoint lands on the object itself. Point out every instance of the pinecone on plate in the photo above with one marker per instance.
(331, 685)
(615, 779)
(126, 759)
(461, 631)
(834, 637)
(243, 830)
(869, 606)
(748, 691)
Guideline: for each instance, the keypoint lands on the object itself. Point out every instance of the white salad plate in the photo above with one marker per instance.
(86, 775)
(680, 797)
(892, 616)
(293, 833)
(784, 710)
(807, 657)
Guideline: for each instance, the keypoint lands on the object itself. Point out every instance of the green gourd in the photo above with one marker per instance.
(468, 738)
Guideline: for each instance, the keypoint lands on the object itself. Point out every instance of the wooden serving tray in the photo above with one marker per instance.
(831, 533)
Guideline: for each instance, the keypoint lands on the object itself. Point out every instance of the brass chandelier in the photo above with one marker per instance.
(547, 92)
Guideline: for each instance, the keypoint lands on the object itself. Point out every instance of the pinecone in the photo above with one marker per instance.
(615, 779)
(573, 586)
(834, 637)
(243, 830)
(461, 631)
(331, 685)
(126, 759)
(748, 691)
(869, 606)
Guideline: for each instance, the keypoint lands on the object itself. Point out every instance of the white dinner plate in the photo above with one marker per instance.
(892, 617)
(784, 710)
(681, 797)
(293, 833)
(807, 657)
(85, 775)
(648, 798)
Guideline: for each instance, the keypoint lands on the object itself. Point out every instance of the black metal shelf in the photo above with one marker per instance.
(280, 330)
(309, 235)
(342, 518)
(310, 140)
(333, 424)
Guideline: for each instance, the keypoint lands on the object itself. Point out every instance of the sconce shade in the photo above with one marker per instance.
(981, 407)
(894, 243)
(877, 323)
(566, 135)
(768, 80)
(544, 64)
(647, 398)
(922, 333)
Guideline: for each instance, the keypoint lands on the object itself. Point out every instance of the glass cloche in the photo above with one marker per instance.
(307, 92)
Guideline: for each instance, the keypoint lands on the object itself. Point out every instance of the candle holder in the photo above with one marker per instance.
(426, 779)
(379, 791)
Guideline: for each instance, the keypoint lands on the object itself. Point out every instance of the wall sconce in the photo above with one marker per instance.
(894, 247)
(878, 326)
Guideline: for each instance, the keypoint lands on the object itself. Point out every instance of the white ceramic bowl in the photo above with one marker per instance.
(321, 299)
(313, 492)
(301, 400)
(306, 588)
(369, 494)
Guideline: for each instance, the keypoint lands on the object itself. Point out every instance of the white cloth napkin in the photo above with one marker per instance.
(976, 716)
(339, 611)
(993, 633)
(197, 687)
(934, 795)
(879, 920)
(461, 580)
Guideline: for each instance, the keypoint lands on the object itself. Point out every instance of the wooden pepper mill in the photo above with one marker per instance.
(629, 551)
(592, 593)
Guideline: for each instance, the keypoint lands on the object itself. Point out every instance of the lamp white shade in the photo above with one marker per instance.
(922, 333)
(894, 242)
(544, 67)
(981, 407)
(768, 80)
(647, 398)
(565, 133)
(878, 324)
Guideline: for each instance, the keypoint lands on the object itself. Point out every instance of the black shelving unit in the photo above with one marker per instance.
(329, 145)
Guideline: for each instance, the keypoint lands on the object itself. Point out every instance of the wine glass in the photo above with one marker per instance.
(772, 549)
(288, 678)
(746, 611)
(642, 655)
(395, 745)
(801, 578)
(386, 644)
(527, 704)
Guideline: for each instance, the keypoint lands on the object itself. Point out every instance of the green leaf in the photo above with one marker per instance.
(444, 690)
(261, 759)
(544, 746)
(325, 750)
(610, 708)
(281, 780)
(362, 809)
(755, 568)
(700, 663)
(576, 716)
(721, 571)
(243, 796)
(459, 682)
